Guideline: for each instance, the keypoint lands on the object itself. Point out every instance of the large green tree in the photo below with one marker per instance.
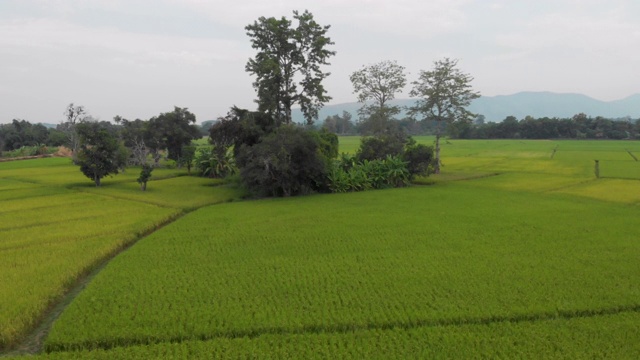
(444, 94)
(99, 152)
(288, 65)
(171, 131)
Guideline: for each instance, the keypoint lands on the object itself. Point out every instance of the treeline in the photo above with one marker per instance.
(22, 133)
(345, 125)
(579, 126)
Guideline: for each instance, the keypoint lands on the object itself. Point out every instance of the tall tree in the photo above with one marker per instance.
(288, 65)
(99, 152)
(379, 83)
(445, 93)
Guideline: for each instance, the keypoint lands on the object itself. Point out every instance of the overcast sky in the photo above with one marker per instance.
(138, 58)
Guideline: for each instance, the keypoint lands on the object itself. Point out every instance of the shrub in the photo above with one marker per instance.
(284, 163)
(375, 174)
(211, 162)
(419, 158)
(378, 147)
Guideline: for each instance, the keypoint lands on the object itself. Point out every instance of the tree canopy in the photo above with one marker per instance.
(379, 83)
(99, 152)
(288, 64)
(171, 131)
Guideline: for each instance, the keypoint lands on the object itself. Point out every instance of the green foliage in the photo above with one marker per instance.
(21, 133)
(212, 163)
(171, 131)
(379, 147)
(367, 175)
(145, 175)
(287, 162)
(387, 160)
(580, 126)
(328, 143)
(188, 156)
(99, 154)
(419, 158)
(28, 151)
(240, 127)
(288, 64)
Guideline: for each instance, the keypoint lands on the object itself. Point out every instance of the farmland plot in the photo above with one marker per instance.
(408, 258)
(517, 252)
(606, 336)
(56, 227)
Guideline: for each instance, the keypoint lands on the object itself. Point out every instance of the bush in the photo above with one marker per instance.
(328, 143)
(379, 147)
(419, 158)
(286, 162)
(375, 174)
(211, 162)
(382, 161)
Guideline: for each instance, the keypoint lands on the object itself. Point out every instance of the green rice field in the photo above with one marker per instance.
(56, 227)
(516, 250)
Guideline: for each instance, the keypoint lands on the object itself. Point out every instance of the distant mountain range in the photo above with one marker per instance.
(535, 104)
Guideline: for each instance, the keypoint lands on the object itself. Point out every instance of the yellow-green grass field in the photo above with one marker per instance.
(516, 250)
(56, 226)
(421, 257)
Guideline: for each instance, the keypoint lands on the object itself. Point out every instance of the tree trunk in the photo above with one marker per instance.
(96, 178)
(436, 167)
(287, 112)
(143, 186)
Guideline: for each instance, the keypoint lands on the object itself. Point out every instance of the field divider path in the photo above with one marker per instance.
(116, 197)
(350, 328)
(579, 183)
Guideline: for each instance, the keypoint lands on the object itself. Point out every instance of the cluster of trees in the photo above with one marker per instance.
(278, 158)
(443, 95)
(344, 124)
(101, 148)
(274, 156)
(21, 133)
(580, 126)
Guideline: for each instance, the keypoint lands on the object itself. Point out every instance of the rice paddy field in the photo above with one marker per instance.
(517, 250)
(57, 227)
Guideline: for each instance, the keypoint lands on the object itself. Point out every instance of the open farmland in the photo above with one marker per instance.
(513, 253)
(56, 227)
